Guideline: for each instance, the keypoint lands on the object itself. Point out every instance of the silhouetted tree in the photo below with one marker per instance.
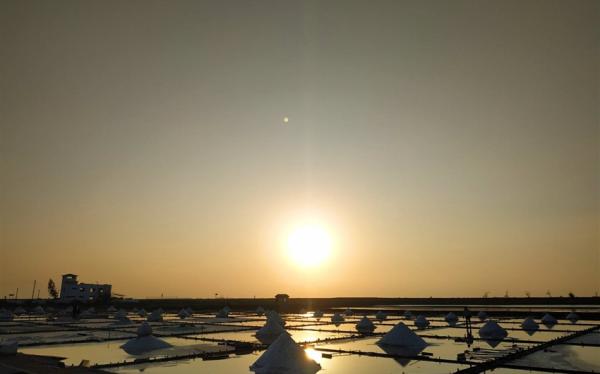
(548, 293)
(527, 293)
(571, 295)
(52, 289)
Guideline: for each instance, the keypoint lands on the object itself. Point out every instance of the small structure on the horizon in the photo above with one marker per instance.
(282, 298)
(71, 290)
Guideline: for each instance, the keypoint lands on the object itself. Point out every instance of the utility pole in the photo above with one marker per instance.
(33, 291)
(17, 294)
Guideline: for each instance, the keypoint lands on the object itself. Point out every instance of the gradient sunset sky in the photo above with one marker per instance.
(449, 148)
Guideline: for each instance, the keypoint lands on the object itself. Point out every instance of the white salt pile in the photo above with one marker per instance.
(155, 316)
(529, 325)
(451, 318)
(223, 313)
(573, 317)
(402, 341)
(337, 319)
(270, 331)
(285, 356)
(365, 326)
(381, 316)
(273, 315)
(421, 322)
(549, 320)
(144, 342)
(492, 331)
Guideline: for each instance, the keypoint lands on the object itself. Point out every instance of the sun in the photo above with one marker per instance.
(309, 245)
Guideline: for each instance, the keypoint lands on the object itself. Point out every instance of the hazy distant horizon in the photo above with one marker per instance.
(388, 148)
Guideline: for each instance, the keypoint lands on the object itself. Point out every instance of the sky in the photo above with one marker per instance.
(444, 148)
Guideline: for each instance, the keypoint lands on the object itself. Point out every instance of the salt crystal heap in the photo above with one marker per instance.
(365, 326)
(451, 319)
(529, 326)
(402, 341)
(573, 317)
(492, 333)
(155, 316)
(144, 342)
(381, 316)
(421, 322)
(270, 331)
(337, 319)
(285, 356)
(549, 320)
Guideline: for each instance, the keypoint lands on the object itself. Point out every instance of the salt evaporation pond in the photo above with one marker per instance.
(205, 333)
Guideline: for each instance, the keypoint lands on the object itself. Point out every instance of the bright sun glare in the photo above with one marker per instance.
(309, 245)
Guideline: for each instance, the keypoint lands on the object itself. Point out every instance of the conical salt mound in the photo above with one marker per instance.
(482, 315)
(222, 314)
(144, 342)
(365, 326)
(38, 310)
(155, 316)
(111, 309)
(348, 312)
(273, 315)
(260, 311)
(183, 314)
(421, 322)
(492, 331)
(401, 336)
(381, 316)
(549, 320)
(6, 315)
(408, 314)
(573, 317)
(529, 325)
(337, 318)
(142, 312)
(285, 356)
(451, 318)
(20, 310)
(270, 331)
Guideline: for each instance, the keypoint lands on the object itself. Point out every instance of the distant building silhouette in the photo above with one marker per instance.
(71, 290)
(282, 298)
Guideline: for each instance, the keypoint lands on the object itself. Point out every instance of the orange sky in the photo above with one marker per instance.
(449, 149)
